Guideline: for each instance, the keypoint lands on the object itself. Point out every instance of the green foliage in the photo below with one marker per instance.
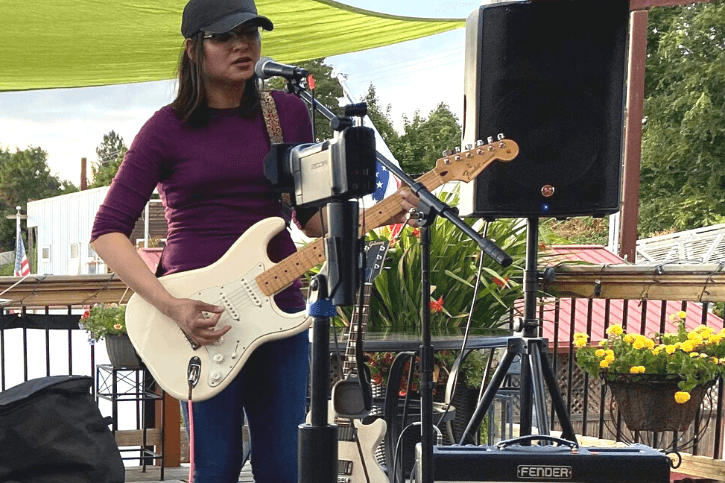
(327, 92)
(471, 370)
(7, 270)
(582, 230)
(454, 265)
(102, 320)
(24, 176)
(695, 357)
(110, 154)
(424, 140)
(380, 117)
(683, 146)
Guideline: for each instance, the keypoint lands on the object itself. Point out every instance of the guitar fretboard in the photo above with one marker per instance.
(293, 267)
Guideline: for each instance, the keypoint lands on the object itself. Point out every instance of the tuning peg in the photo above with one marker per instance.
(489, 139)
(447, 152)
(479, 143)
(500, 136)
(456, 150)
(468, 147)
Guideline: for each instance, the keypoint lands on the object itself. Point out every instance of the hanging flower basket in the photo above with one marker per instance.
(121, 352)
(648, 403)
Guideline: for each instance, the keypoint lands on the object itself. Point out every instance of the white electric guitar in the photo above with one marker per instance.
(356, 442)
(244, 281)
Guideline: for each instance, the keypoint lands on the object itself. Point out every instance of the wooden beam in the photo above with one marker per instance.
(700, 283)
(62, 290)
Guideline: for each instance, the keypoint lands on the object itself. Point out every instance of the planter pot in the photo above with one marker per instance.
(121, 352)
(649, 405)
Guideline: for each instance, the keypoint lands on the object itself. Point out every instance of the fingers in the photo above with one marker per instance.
(409, 202)
(199, 320)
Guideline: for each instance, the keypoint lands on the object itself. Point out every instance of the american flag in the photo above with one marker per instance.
(385, 184)
(22, 267)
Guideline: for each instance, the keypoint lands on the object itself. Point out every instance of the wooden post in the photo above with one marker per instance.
(172, 430)
(633, 134)
(84, 178)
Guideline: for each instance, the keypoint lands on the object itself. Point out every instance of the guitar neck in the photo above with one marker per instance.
(294, 266)
(349, 366)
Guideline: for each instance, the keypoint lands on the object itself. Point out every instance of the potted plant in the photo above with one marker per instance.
(107, 321)
(658, 381)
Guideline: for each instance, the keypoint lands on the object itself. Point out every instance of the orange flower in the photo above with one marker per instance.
(416, 232)
(501, 283)
(377, 378)
(86, 314)
(437, 305)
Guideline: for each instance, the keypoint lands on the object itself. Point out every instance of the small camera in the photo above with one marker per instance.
(334, 170)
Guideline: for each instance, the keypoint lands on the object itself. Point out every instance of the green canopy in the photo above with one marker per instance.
(78, 43)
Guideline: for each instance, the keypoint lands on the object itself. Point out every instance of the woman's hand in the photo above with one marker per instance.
(409, 202)
(197, 319)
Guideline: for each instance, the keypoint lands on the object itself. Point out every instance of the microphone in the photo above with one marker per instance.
(267, 68)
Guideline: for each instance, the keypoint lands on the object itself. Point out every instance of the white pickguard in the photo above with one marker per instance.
(253, 316)
(350, 457)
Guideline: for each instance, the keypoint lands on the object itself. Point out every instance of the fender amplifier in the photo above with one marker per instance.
(509, 461)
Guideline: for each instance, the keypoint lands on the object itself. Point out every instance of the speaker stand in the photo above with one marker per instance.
(536, 370)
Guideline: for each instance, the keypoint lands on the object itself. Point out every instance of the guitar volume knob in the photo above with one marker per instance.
(218, 358)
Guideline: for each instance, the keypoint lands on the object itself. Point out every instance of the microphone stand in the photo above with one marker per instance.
(428, 208)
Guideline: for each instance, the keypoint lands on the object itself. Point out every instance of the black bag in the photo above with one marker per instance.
(51, 431)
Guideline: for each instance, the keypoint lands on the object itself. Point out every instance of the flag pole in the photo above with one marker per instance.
(17, 229)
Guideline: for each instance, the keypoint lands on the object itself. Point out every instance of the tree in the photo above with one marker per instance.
(380, 117)
(110, 154)
(327, 92)
(683, 146)
(24, 175)
(424, 140)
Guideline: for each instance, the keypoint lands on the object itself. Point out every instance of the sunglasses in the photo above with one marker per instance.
(248, 35)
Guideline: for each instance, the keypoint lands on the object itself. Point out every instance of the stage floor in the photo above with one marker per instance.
(174, 475)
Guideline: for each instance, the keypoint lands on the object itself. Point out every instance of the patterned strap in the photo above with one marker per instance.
(274, 130)
(271, 118)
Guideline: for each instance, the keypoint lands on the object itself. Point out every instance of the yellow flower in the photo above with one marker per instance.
(600, 353)
(605, 363)
(638, 344)
(670, 349)
(636, 370)
(602, 342)
(682, 397)
(610, 352)
(681, 314)
(694, 354)
(649, 343)
(580, 335)
(629, 338)
(615, 329)
(609, 358)
(688, 346)
(117, 326)
(580, 342)
(715, 338)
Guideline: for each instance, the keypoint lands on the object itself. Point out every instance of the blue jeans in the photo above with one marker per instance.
(271, 390)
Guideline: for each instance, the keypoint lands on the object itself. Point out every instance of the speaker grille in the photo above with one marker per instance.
(550, 76)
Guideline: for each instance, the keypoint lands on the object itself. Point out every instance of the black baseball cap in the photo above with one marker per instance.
(219, 16)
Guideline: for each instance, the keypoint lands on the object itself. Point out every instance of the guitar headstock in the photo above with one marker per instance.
(466, 165)
(375, 252)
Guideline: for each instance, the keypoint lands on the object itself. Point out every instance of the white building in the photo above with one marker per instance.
(59, 229)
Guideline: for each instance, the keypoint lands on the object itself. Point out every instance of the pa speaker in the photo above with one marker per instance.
(549, 75)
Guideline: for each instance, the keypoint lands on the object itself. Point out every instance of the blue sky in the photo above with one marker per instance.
(70, 123)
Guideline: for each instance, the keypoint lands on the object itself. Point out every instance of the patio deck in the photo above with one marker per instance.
(174, 475)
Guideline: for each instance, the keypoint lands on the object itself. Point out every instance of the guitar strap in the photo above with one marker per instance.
(274, 130)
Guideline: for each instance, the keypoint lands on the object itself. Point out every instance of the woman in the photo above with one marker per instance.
(204, 153)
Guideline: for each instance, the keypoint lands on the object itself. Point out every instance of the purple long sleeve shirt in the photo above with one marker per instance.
(210, 180)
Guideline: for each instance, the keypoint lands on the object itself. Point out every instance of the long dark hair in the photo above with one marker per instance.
(191, 100)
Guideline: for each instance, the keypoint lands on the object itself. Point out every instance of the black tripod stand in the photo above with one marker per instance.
(535, 368)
